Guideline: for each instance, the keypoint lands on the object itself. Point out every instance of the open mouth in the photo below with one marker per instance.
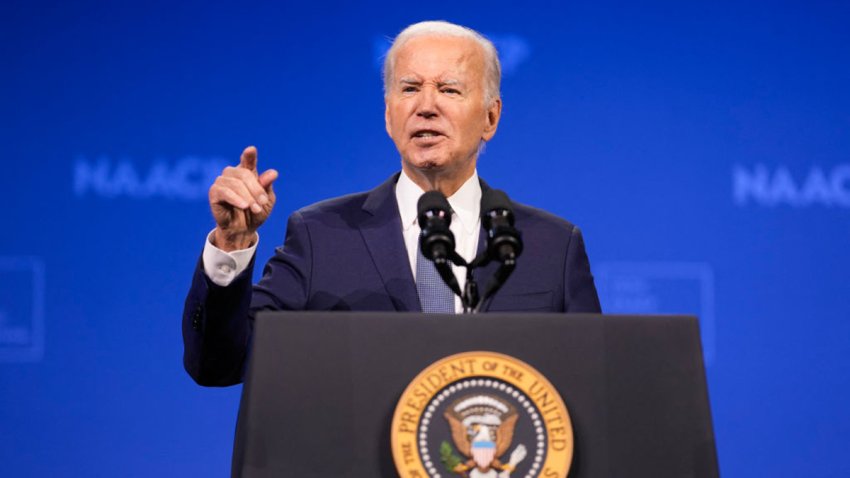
(426, 133)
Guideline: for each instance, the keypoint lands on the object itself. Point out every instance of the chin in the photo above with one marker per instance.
(429, 162)
(430, 165)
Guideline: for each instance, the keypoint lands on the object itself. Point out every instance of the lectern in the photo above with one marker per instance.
(323, 390)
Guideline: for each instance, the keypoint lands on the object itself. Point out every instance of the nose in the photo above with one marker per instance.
(427, 106)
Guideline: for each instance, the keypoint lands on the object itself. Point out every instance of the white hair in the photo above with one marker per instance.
(492, 67)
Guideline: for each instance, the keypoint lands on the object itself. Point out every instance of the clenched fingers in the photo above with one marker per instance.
(236, 192)
(223, 195)
(251, 183)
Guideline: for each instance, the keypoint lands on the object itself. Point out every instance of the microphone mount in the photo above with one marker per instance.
(504, 245)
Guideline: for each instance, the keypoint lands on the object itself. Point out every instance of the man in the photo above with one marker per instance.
(360, 252)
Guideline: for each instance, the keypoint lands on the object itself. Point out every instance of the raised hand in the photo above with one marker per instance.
(241, 200)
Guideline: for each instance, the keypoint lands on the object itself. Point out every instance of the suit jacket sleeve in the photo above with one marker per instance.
(580, 293)
(218, 322)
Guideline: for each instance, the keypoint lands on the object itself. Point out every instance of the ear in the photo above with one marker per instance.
(494, 112)
(387, 125)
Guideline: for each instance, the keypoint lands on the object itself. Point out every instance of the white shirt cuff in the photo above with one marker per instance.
(222, 267)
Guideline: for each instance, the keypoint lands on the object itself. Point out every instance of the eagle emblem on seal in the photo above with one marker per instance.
(482, 428)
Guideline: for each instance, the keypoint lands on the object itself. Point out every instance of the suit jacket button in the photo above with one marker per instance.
(196, 317)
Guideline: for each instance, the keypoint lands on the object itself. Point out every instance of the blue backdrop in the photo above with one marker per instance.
(702, 146)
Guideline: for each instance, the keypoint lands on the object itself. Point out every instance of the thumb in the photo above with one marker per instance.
(267, 178)
(248, 160)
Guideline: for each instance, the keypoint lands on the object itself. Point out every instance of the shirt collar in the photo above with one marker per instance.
(465, 202)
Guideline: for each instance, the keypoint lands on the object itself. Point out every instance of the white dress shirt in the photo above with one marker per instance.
(466, 222)
(222, 267)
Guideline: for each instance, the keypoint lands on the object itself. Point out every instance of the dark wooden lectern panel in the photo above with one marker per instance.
(322, 388)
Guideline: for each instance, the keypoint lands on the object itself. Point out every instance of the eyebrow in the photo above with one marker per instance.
(411, 80)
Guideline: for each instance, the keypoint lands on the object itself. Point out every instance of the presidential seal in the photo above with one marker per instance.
(481, 415)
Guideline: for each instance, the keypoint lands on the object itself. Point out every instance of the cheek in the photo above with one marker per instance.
(395, 126)
(472, 123)
(398, 118)
(472, 130)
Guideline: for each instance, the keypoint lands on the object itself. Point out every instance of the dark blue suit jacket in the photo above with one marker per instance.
(348, 253)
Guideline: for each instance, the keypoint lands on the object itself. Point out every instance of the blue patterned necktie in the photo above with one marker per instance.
(434, 295)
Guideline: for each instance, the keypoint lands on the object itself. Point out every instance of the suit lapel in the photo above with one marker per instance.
(381, 232)
(482, 275)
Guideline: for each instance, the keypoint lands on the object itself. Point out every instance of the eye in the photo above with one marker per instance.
(409, 89)
(451, 91)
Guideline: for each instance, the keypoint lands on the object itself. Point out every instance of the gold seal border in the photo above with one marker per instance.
(454, 368)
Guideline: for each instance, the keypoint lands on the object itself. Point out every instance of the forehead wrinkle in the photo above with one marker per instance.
(468, 63)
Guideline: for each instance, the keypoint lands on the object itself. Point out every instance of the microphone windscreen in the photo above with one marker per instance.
(493, 199)
(433, 200)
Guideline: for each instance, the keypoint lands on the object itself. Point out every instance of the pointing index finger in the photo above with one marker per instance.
(248, 160)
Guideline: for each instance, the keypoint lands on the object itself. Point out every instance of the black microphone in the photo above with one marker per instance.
(436, 239)
(435, 216)
(504, 242)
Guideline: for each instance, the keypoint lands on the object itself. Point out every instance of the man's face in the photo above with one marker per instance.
(436, 113)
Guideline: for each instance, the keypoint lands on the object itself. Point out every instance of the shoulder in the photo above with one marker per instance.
(351, 209)
(355, 206)
(529, 217)
(342, 205)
